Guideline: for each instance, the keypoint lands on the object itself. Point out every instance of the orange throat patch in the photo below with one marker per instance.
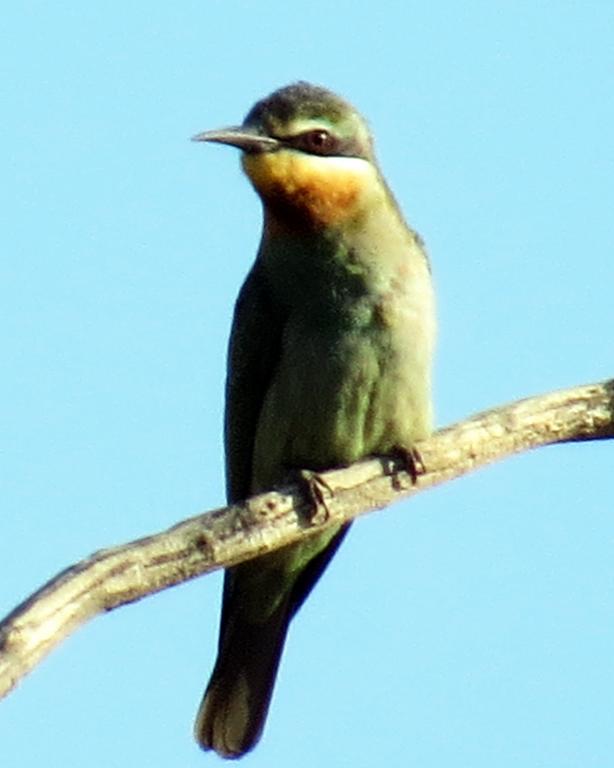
(328, 190)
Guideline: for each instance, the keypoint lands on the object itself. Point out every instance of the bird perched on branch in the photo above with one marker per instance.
(329, 361)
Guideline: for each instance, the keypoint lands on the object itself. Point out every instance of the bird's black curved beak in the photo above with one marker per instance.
(240, 137)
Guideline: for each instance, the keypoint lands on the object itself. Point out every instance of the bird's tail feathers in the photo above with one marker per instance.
(235, 705)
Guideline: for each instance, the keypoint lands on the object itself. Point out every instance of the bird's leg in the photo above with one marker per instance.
(317, 489)
(412, 462)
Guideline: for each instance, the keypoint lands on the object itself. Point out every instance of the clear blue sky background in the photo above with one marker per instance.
(471, 627)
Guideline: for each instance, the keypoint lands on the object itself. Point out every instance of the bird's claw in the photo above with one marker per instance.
(413, 465)
(317, 489)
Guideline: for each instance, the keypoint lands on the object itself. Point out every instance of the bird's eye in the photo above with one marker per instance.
(317, 142)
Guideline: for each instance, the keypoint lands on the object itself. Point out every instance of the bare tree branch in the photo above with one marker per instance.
(114, 577)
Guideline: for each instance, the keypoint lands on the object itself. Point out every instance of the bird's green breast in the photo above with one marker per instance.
(353, 375)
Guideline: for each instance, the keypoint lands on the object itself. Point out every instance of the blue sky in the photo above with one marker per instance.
(472, 626)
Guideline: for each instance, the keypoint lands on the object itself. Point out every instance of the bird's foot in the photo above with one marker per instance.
(317, 489)
(412, 464)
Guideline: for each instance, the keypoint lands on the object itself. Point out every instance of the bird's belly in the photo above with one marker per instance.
(337, 397)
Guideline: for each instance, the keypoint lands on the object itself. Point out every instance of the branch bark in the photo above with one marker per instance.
(114, 577)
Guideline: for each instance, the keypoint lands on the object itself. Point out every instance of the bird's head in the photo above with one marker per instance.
(308, 153)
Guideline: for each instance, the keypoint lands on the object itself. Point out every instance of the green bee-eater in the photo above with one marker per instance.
(329, 361)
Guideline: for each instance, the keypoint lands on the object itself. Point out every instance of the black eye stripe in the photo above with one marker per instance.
(316, 142)
(319, 141)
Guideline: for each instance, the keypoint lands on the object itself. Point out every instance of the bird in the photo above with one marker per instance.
(329, 361)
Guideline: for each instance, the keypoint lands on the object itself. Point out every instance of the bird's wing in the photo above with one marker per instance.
(253, 353)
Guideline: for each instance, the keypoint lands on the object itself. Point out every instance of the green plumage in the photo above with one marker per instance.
(329, 361)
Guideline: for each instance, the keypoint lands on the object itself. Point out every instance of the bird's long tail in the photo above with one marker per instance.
(235, 705)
